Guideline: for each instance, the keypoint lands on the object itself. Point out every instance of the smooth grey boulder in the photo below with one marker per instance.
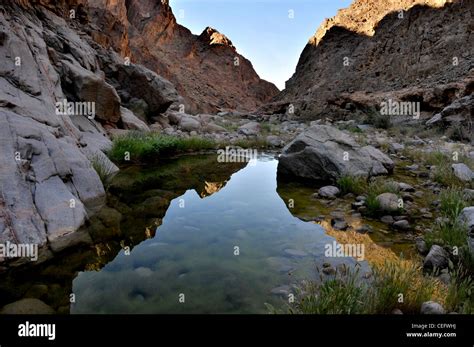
(250, 129)
(274, 141)
(402, 225)
(188, 124)
(27, 306)
(431, 307)
(324, 153)
(213, 128)
(132, 122)
(467, 217)
(92, 88)
(329, 192)
(388, 202)
(463, 172)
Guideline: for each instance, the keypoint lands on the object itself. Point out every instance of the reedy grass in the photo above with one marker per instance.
(103, 167)
(149, 147)
(351, 184)
(393, 285)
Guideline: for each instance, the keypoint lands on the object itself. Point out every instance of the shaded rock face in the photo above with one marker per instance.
(374, 52)
(323, 153)
(48, 186)
(47, 183)
(206, 69)
(458, 118)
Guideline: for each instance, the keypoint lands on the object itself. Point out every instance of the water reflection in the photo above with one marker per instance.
(219, 234)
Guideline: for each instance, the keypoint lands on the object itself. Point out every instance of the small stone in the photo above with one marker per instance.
(437, 258)
(395, 147)
(463, 172)
(431, 307)
(387, 220)
(404, 187)
(397, 311)
(364, 229)
(413, 167)
(340, 225)
(356, 205)
(468, 194)
(388, 202)
(402, 225)
(329, 192)
(421, 246)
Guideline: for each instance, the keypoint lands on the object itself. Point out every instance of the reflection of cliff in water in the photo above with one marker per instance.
(137, 201)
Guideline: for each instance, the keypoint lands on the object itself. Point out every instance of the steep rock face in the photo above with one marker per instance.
(421, 54)
(48, 186)
(206, 69)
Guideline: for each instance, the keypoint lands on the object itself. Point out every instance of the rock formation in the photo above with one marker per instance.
(323, 153)
(206, 69)
(406, 50)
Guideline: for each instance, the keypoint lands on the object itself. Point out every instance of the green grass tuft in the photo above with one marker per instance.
(103, 167)
(349, 294)
(351, 184)
(149, 147)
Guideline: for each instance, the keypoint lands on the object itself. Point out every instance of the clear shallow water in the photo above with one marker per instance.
(193, 253)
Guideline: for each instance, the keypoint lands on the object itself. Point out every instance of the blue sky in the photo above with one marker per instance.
(261, 30)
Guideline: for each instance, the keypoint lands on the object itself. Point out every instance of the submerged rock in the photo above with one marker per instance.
(295, 253)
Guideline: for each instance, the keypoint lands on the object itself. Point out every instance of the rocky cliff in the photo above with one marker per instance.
(206, 69)
(414, 50)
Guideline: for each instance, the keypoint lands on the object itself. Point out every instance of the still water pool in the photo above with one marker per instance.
(229, 251)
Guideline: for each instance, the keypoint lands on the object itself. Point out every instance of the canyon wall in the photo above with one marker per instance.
(415, 50)
(206, 69)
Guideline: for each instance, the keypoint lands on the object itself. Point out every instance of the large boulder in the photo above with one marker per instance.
(324, 153)
(89, 87)
(132, 122)
(137, 84)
